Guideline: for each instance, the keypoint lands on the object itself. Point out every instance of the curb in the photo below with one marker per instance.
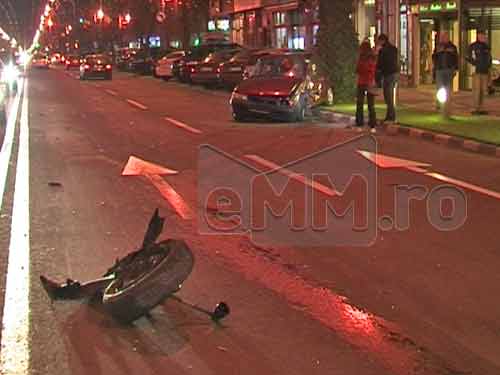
(438, 138)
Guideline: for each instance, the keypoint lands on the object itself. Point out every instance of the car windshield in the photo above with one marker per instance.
(97, 59)
(220, 56)
(286, 65)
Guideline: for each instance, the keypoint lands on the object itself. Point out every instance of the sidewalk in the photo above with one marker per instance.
(417, 109)
(423, 98)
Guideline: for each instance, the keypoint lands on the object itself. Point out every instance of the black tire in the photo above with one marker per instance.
(129, 301)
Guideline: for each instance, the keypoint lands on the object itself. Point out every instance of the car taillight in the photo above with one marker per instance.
(108, 67)
(86, 66)
(67, 62)
(192, 70)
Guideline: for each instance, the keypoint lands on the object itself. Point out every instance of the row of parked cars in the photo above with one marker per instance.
(279, 83)
(92, 65)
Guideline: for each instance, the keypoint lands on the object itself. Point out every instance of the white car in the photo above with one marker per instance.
(164, 66)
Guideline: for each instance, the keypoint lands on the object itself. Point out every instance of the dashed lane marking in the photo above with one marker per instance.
(182, 125)
(137, 104)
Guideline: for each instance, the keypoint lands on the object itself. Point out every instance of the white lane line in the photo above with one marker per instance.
(183, 126)
(14, 354)
(6, 150)
(293, 175)
(137, 104)
(111, 92)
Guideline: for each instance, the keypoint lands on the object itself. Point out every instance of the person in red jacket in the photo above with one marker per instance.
(367, 64)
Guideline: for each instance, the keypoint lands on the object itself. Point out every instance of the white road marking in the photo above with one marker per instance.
(6, 150)
(182, 125)
(137, 104)
(15, 355)
(294, 176)
(111, 92)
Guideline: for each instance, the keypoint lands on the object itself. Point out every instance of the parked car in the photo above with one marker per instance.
(40, 61)
(282, 86)
(197, 54)
(208, 71)
(123, 56)
(143, 61)
(73, 61)
(233, 71)
(165, 66)
(96, 66)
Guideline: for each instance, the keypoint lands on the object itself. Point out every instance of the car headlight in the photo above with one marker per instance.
(10, 73)
(238, 96)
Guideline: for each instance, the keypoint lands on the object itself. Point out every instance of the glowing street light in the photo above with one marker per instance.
(100, 14)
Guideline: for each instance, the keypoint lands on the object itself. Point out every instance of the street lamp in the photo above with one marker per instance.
(100, 14)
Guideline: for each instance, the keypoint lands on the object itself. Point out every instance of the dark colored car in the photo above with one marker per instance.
(73, 61)
(207, 72)
(233, 71)
(143, 61)
(96, 66)
(194, 56)
(123, 56)
(281, 86)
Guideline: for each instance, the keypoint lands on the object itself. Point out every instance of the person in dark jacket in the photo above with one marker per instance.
(387, 73)
(367, 63)
(445, 64)
(479, 55)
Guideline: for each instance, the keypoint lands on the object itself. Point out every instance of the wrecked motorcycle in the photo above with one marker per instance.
(140, 281)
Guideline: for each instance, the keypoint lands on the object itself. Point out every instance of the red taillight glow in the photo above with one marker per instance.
(86, 66)
(291, 74)
(192, 70)
(67, 62)
(108, 67)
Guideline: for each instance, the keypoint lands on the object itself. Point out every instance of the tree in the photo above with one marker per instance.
(337, 48)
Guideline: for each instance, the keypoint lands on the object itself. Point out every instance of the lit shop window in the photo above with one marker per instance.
(279, 18)
(298, 39)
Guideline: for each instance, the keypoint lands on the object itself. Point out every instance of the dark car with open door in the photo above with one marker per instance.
(283, 86)
(96, 66)
(208, 71)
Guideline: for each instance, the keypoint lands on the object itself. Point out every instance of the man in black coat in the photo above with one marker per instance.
(387, 73)
(479, 55)
(445, 64)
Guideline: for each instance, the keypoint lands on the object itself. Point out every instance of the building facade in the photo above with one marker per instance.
(412, 25)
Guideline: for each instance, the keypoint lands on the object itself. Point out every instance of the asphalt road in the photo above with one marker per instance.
(417, 300)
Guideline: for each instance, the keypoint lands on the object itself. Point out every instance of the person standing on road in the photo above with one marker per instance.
(367, 64)
(479, 55)
(387, 73)
(445, 61)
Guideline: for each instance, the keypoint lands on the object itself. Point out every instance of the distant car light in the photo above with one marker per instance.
(108, 67)
(86, 66)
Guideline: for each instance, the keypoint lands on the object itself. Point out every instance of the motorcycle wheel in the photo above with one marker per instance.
(147, 279)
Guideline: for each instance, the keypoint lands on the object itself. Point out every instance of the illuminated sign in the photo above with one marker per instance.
(436, 7)
(223, 25)
(211, 26)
